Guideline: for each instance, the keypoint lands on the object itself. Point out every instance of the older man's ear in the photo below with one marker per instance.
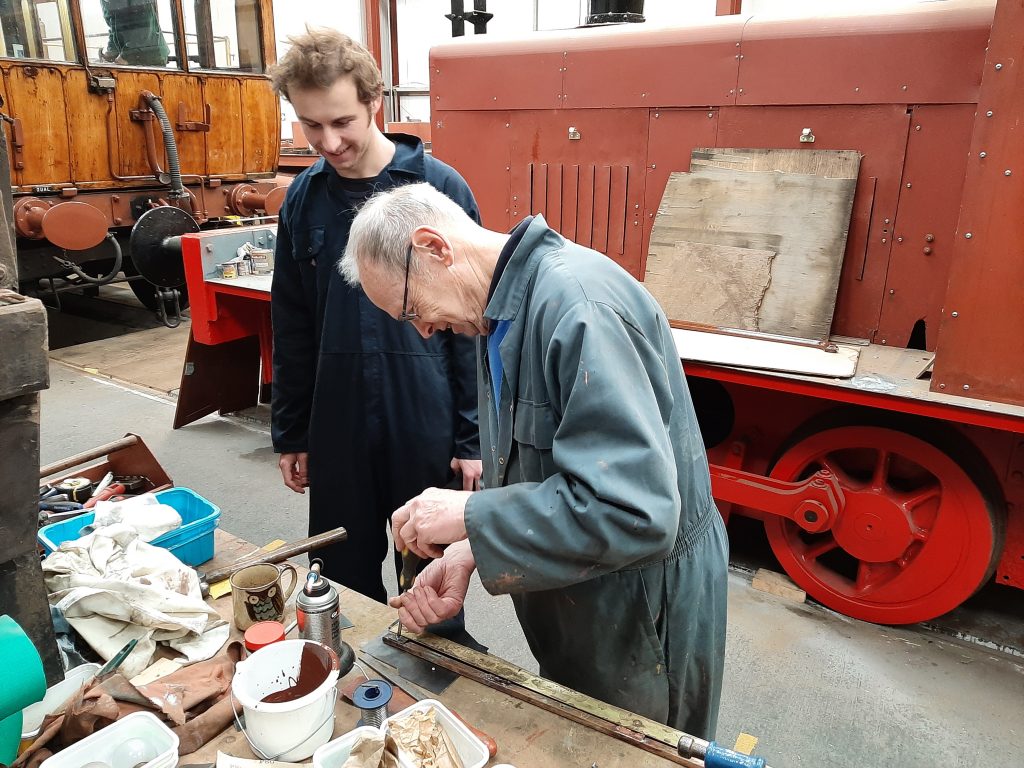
(431, 244)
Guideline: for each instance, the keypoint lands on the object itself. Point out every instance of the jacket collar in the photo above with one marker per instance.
(408, 160)
(515, 279)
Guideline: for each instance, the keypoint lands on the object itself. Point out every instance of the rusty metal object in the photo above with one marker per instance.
(184, 124)
(71, 225)
(246, 200)
(28, 216)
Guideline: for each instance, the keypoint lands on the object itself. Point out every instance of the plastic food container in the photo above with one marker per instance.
(471, 750)
(335, 753)
(192, 543)
(55, 696)
(139, 739)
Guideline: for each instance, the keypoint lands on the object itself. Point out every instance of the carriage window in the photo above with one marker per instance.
(36, 29)
(223, 34)
(138, 33)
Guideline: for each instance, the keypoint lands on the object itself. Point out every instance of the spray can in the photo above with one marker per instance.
(317, 612)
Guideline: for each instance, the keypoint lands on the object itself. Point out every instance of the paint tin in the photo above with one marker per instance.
(262, 261)
(228, 270)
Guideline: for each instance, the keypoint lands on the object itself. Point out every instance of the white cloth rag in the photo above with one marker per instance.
(144, 513)
(112, 587)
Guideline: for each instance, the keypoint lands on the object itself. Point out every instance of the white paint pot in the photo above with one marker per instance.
(288, 730)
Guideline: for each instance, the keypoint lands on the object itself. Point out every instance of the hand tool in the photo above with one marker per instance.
(276, 556)
(77, 488)
(116, 661)
(48, 518)
(60, 506)
(401, 685)
(715, 756)
(411, 561)
(410, 564)
(104, 494)
(102, 484)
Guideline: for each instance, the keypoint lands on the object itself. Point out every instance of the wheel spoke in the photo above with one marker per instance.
(839, 473)
(881, 473)
(870, 576)
(819, 548)
(915, 499)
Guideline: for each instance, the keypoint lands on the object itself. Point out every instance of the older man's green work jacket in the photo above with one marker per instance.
(597, 514)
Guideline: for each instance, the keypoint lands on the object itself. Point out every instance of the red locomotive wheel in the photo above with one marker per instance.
(915, 539)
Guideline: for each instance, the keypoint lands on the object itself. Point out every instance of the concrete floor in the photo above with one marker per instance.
(816, 688)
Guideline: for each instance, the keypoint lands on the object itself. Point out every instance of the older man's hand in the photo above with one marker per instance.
(435, 517)
(439, 591)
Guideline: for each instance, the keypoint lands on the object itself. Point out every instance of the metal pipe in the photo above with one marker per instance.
(112, 143)
(106, 279)
(178, 190)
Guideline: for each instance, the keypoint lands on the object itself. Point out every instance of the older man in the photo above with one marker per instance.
(596, 513)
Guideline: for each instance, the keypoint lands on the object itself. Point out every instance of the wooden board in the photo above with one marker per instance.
(765, 354)
(150, 358)
(722, 282)
(717, 224)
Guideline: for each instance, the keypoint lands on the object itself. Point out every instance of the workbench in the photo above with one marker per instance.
(527, 737)
(228, 363)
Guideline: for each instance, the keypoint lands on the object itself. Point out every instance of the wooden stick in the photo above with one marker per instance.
(93, 453)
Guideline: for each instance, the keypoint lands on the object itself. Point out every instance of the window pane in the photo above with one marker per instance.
(223, 34)
(137, 33)
(37, 29)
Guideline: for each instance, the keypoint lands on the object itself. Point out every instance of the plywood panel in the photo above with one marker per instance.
(261, 126)
(37, 98)
(722, 282)
(795, 203)
(224, 141)
(879, 133)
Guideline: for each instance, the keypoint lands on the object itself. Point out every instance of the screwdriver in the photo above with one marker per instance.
(410, 562)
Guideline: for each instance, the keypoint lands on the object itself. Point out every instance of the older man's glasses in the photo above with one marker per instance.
(406, 315)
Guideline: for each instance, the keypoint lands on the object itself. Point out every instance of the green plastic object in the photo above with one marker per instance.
(24, 684)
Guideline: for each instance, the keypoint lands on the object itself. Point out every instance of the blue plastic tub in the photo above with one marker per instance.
(192, 543)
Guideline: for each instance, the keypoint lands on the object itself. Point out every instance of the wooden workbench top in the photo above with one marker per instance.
(527, 737)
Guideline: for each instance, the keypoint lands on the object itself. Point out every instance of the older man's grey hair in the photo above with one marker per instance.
(382, 230)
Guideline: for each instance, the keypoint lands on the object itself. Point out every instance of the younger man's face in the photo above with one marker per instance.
(337, 124)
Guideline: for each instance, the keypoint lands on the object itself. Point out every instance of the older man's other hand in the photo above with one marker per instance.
(435, 517)
(439, 591)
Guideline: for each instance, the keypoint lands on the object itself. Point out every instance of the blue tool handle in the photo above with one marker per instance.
(720, 757)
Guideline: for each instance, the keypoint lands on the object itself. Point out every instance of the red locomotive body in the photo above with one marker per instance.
(926, 484)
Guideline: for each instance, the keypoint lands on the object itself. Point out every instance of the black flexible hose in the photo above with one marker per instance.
(174, 164)
(118, 257)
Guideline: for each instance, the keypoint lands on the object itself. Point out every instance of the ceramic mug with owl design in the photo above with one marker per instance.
(257, 593)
